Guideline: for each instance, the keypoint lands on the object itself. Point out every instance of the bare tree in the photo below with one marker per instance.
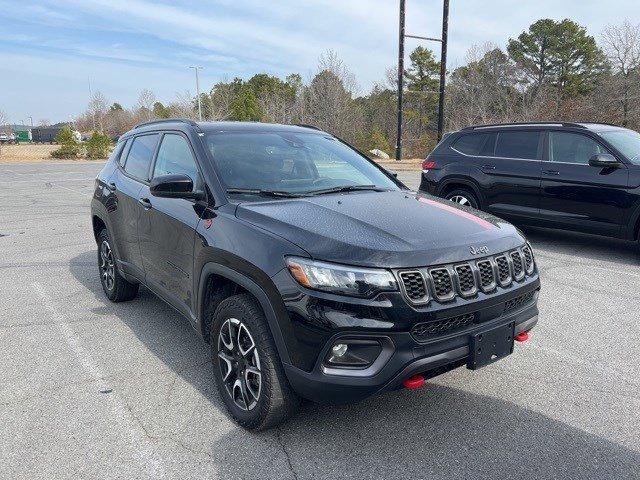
(44, 122)
(183, 106)
(97, 110)
(146, 99)
(621, 44)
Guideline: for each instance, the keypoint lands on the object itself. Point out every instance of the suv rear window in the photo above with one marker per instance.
(471, 144)
(140, 156)
(518, 145)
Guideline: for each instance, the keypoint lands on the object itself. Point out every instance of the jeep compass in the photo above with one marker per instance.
(310, 270)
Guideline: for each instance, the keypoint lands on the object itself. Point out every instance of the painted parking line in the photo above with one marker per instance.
(120, 413)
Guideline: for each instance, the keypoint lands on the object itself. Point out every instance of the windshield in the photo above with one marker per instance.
(294, 163)
(626, 141)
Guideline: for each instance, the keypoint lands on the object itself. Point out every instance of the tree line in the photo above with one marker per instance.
(554, 71)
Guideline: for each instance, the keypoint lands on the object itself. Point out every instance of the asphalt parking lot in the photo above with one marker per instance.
(90, 389)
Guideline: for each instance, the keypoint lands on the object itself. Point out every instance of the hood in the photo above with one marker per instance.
(384, 229)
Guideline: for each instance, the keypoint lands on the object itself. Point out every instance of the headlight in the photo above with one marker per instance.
(359, 282)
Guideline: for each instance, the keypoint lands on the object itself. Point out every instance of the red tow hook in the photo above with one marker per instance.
(521, 337)
(413, 382)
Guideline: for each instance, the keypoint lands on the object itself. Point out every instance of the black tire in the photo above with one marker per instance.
(276, 401)
(115, 287)
(463, 197)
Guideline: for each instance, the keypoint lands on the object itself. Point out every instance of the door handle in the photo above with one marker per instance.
(111, 187)
(488, 167)
(551, 172)
(145, 202)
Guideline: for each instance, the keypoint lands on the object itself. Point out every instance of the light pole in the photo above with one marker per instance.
(196, 68)
(443, 70)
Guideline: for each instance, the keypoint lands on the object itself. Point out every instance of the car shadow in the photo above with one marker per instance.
(437, 432)
(586, 246)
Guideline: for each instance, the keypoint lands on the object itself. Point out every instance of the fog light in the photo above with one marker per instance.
(339, 350)
(353, 353)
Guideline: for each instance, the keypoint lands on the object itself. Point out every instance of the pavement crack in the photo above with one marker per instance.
(285, 451)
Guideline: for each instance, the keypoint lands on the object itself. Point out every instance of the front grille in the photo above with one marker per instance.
(466, 280)
(442, 285)
(487, 279)
(504, 272)
(518, 267)
(518, 302)
(528, 259)
(414, 286)
(424, 331)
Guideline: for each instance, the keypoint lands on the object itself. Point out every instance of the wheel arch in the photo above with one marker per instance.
(454, 183)
(245, 284)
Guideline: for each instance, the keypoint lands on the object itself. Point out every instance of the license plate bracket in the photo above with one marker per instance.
(490, 346)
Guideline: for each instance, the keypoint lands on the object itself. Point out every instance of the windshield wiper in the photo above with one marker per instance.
(348, 188)
(266, 193)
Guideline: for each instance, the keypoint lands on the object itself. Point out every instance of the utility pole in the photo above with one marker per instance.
(443, 67)
(195, 68)
(400, 80)
(443, 70)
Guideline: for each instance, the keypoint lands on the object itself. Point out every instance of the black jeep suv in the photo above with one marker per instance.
(575, 176)
(311, 271)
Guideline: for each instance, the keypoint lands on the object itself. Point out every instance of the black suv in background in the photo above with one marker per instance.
(576, 176)
(311, 271)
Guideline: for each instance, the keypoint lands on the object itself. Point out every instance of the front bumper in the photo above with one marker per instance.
(407, 357)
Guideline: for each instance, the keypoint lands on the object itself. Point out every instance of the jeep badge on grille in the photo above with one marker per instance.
(483, 250)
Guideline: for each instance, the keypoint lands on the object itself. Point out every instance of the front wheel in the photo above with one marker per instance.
(463, 197)
(246, 365)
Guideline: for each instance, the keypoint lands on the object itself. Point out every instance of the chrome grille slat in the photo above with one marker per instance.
(466, 280)
(414, 286)
(487, 275)
(528, 259)
(518, 265)
(442, 284)
(504, 270)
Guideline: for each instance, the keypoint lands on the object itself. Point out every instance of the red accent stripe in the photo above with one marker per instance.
(456, 211)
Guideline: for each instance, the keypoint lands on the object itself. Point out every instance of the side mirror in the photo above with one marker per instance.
(604, 160)
(174, 186)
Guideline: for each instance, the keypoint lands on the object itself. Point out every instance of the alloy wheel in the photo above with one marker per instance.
(107, 266)
(461, 200)
(239, 364)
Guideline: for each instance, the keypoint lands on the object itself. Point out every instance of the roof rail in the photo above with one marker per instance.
(526, 124)
(304, 125)
(167, 120)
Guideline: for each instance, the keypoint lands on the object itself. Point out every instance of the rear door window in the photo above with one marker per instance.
(518, 145)
(140, 156)
(471, 144)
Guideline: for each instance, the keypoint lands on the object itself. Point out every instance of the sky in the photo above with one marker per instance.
(51, 50)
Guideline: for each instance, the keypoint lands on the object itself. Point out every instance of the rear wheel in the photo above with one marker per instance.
(246, 366)
(115, 287)
(463, 197)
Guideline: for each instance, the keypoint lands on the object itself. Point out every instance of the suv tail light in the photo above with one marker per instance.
(428, 164)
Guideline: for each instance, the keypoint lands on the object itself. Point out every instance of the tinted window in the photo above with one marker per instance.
(518, 145)
(572, 147)
(471, 144)
(123, 154)
(627, 141)
(291, 162)
(174, 156)
(140, 156)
